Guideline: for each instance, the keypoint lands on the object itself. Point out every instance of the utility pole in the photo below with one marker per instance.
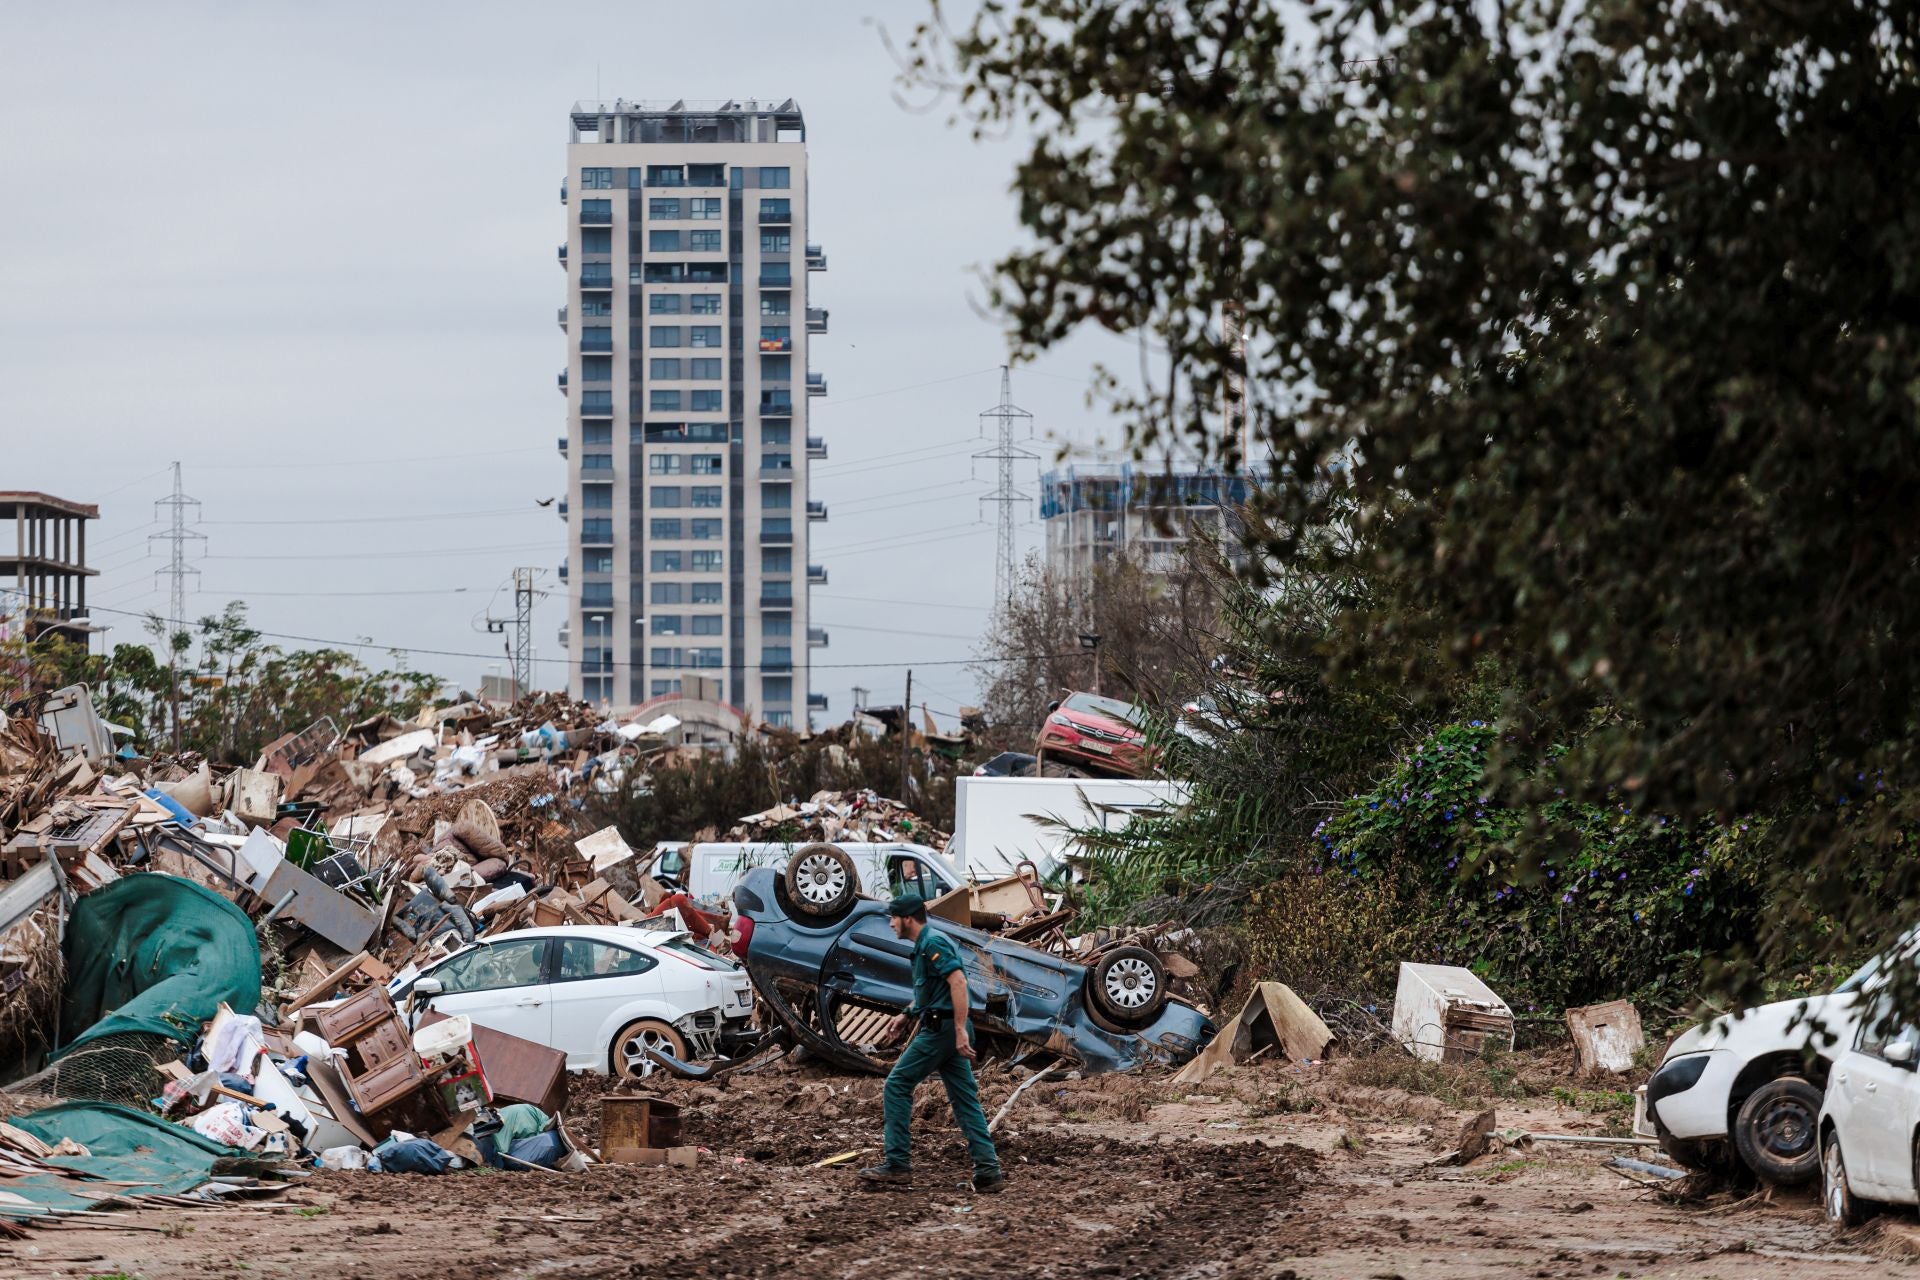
(1004, 417)
(522, 632)
(173, 509)
(906, 738)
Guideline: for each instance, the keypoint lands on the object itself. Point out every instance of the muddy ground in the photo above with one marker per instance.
(1321, 1173)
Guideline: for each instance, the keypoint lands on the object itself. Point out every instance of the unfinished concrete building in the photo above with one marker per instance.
(48, 567)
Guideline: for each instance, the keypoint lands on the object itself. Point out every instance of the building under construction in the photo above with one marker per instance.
(1095, 510)
(48, 566)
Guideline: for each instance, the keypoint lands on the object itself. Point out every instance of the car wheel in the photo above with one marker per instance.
(1775, 1131)
(629, 1056)
(1128, 985)
(1842, 1207)
(821, 880)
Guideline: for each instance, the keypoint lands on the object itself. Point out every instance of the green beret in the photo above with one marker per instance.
(907, 904)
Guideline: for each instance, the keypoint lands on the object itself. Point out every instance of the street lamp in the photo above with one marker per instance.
(1091, 643)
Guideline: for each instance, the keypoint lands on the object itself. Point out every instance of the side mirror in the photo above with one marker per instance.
(1899, 1053)
(427, 987)
(1053, 707)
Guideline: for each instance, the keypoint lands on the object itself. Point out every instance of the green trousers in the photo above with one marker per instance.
(931, 1050)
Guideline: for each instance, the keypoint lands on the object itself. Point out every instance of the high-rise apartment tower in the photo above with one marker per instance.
(687, 385)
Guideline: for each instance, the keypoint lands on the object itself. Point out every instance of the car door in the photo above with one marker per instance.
(502, 985)
(869, 962)
(1874, 1133)
(594, 983)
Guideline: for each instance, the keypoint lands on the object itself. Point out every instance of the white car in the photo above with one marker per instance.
(1749, 1087)
(600, 994)
(879, 869)
(1868, 1154)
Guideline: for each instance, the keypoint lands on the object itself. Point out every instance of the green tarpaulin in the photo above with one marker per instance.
(143, 1152)
(157, 954)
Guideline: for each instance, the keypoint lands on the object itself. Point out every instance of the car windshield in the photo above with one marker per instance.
(1112, 708)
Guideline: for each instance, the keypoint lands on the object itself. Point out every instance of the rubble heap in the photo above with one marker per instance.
(836, 815)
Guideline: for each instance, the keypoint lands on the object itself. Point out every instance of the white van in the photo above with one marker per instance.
(1001, 822)
(710, 871)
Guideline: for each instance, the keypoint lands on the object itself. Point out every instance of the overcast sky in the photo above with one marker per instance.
(308, 252)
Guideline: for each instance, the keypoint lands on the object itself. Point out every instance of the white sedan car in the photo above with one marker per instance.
(600, 994)
(1868, 1153)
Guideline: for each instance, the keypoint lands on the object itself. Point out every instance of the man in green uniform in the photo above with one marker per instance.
(944, 1043)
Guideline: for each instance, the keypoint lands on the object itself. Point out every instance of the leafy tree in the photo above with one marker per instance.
(236, 693)
(1605, 316)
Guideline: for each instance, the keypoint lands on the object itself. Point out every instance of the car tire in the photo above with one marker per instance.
(627, 1058)
(1776, 1131)
(821, 881)
(1837, 1200)
(1128, 986)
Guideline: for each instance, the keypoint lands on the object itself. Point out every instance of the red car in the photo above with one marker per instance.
(1095, 735)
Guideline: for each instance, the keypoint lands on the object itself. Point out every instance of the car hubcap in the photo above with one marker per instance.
(1130, 983)
(1836, 1182)
(1786, 1130)
(821, 879)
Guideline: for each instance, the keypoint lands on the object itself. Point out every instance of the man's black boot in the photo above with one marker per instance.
(886, 1177)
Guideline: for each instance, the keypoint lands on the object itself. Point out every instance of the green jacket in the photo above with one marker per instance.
(934, 957)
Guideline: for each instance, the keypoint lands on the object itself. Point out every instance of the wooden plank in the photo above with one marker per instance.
(319, 990)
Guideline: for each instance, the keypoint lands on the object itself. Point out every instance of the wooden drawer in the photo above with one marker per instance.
(337, 1025)
(381, 1044)
(385, 1086)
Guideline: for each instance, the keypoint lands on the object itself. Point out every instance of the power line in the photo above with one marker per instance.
(843, 508)
(919, 542)
(779, 668)
(425, 591)
(875, 395)
(895, 541)
(865, 461)
(920, 604)
(126, 533)
(397, 555)
(881, 631)
(307, 464)
(900, 460)
(129, 484)
(528, 509)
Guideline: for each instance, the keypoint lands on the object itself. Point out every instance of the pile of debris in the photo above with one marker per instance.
(214, 953)
(833, 816)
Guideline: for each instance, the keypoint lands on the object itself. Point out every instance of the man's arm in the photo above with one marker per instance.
(957, 988)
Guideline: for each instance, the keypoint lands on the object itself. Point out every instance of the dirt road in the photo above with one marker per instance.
(1267, 1173)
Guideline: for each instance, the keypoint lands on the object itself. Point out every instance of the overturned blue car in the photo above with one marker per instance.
(827, 963)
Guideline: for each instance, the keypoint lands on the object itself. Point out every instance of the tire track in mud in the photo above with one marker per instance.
(1073, 1207)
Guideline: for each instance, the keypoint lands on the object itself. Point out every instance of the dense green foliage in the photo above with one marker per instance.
(1605, 318)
